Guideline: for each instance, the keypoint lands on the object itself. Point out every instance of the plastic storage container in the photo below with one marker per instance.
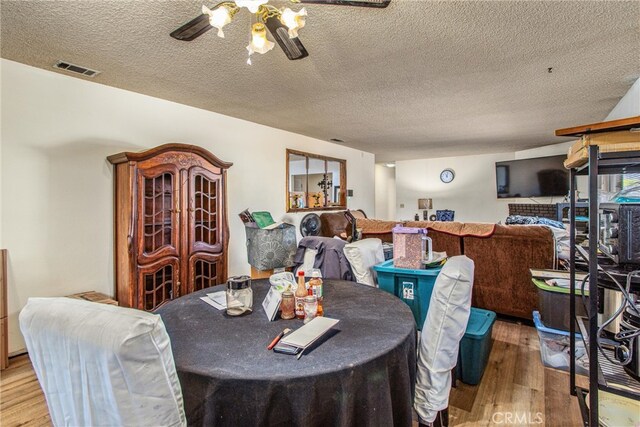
(553, 302)
(409, 246)
(554, 348)
(475, 346)
(414, 287)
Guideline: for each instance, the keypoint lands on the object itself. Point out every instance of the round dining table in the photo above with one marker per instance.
(362, 372)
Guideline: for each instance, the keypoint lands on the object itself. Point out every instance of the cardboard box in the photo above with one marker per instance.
(609, 142)
(265, 274)
(94, 296)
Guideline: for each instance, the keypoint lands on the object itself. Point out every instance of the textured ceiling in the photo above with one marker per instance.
(417, 79)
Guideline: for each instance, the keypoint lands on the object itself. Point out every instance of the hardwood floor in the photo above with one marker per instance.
(516, 389)
(21, 400)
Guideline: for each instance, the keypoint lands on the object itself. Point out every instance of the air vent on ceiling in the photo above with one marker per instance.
(67, 66)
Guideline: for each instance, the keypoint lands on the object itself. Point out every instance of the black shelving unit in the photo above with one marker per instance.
(603, 375)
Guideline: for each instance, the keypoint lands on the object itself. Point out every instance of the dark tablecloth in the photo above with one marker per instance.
(361, 374)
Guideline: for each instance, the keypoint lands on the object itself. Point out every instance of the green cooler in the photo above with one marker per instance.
(554, 301)
(414, 287)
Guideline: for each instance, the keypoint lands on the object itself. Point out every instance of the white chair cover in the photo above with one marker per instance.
(363, 255)
(443, 329)
(102, 365)
(307, 263)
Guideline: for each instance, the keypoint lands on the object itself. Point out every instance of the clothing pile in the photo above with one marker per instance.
(527, 220)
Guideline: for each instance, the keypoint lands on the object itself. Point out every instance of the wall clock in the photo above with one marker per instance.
(447, 175)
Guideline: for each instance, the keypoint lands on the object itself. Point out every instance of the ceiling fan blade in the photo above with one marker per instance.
(293, 48)
(361, 3)
(192, 29)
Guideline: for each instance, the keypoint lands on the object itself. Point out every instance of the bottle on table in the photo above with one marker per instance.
(315, 288)
(301, 293)
(288, 304)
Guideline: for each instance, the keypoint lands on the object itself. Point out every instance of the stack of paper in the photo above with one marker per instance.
(554, 274)
(437, 259)
(218, 300)
(564, 283)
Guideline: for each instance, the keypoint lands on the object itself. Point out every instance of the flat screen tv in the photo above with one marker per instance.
(538, 177)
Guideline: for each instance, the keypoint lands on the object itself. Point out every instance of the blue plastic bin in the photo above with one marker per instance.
(414, 287)
(475, 346)
(554, 348)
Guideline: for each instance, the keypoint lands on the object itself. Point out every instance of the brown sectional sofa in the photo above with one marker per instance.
(502, 258)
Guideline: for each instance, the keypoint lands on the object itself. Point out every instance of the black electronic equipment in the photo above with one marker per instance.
(537, 177)
(630, 325)
(619, 235)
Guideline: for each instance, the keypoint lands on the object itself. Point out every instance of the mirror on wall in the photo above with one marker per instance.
(315, 182)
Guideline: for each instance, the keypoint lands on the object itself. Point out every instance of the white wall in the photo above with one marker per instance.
(1, 239)
(385, 193)
(629, 105)
(57, 186)
(472, 194)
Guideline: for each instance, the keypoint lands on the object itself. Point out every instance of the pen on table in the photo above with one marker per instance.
(277, 338)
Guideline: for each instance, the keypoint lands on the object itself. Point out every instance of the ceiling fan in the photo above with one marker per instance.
(283, 24)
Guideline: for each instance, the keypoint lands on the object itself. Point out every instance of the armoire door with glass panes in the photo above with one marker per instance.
(158, 283)
(158, 213)
(205, 270)
(205, 210)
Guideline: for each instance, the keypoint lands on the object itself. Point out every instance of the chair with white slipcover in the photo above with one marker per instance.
(362, 256)
(102, 365)
(444, 327)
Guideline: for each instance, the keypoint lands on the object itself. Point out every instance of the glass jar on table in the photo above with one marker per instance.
(239, 295)
(310, 308)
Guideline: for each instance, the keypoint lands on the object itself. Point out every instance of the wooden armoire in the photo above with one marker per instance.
(171, 229)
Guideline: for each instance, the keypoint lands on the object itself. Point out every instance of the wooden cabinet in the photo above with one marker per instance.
(171, 230)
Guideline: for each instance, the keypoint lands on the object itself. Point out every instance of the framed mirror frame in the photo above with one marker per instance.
(336, 193)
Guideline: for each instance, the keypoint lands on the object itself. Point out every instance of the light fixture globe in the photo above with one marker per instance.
(218, 17)
(252, 5)
(259, 42)
(293, 20)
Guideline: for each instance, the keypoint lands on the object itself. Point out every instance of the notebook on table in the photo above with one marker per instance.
(308, 334)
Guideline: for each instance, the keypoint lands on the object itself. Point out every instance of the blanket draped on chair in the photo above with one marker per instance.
(330, 258)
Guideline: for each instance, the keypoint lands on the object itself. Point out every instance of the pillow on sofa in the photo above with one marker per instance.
(362, 255)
